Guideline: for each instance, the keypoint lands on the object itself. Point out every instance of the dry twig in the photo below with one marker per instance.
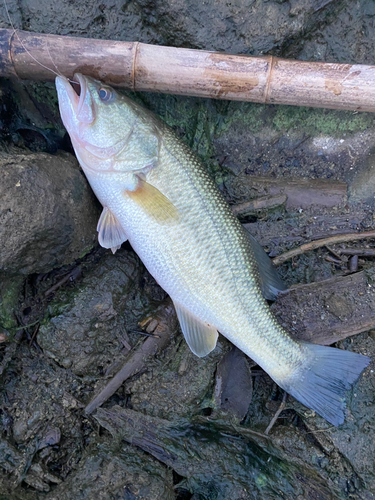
(166, 325)
(277, 414)
(313, 245)
(361, 252)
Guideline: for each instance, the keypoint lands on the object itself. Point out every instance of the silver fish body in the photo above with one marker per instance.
(157, 194)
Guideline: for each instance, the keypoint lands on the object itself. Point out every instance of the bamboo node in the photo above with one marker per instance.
(267, 89)
(135, 54)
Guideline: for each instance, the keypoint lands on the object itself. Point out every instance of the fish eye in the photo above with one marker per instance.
(105, 94)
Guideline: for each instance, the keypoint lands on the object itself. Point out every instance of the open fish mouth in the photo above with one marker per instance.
(78, 83)
(73, 99)
(80, 88)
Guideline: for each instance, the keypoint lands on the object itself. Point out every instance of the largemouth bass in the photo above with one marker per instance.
(156, 194)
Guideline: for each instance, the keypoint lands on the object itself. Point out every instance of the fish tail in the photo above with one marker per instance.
(321, 384)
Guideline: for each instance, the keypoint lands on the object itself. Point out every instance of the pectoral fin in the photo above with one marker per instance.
(111, 233)
(270, 282)
(200, 337)
(153, 202)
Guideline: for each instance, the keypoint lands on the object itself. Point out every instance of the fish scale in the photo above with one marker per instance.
(156, 193)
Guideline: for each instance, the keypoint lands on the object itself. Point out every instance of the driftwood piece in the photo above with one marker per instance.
(214, 457)
(260, 204)
(139, 66)
(184, 446)
(300, 193)
(328, 311)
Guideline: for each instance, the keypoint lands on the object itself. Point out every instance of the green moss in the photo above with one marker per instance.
(201, 122)
(283, 118)
(44, 93)
(61, 303)
(321, 121)
(9, 298)
(86, 250)
(254, 116)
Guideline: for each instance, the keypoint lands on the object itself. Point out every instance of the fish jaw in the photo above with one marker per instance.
(77, 112)
(68, 103)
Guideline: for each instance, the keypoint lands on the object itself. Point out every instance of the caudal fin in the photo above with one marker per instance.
(328, 375)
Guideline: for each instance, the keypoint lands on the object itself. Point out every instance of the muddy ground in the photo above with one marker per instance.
(72, 314)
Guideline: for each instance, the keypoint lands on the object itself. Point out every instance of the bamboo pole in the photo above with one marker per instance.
(143, 67)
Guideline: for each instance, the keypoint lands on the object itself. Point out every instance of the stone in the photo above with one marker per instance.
(48, 213)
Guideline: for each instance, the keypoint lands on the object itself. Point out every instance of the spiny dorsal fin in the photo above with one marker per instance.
(200, 337)
(270, 282)
(153, 202)
(111, 233)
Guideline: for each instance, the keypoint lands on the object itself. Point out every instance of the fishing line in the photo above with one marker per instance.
(28, 52)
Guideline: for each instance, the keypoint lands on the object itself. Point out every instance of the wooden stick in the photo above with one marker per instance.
(361, 252)
(137, 360)
(341, 238)
(261, 203)
(138, 66)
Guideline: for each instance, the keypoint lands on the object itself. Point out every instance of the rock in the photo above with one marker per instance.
(236, 27)
(180, 386)
(87, 326)
(48, 213)
(129, 474)
(362, 187)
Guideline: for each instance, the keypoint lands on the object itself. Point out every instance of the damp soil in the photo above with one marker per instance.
(72, 314)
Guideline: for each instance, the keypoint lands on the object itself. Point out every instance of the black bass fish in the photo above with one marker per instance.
(156, 194)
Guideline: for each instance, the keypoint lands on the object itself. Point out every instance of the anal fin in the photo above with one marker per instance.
(200, 337)
(111, 233)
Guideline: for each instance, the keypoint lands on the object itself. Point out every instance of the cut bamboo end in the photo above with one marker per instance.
(143, 67)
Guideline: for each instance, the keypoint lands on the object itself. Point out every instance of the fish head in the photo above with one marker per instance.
(109, 132)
